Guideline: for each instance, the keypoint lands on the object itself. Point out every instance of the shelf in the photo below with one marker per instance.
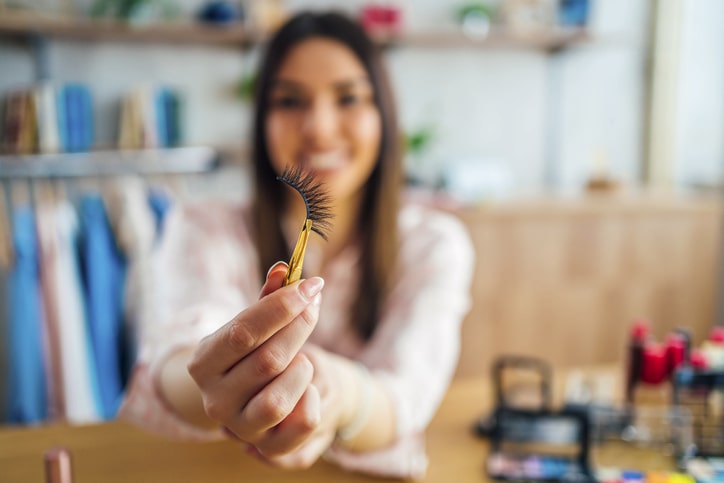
(188, 32)
(187, 160)
(28, 24)
(497, 38)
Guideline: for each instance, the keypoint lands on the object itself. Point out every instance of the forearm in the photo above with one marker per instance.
(180, 392)
(363, 397)
(368, 411)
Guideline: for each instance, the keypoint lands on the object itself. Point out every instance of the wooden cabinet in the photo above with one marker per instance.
(564, 280)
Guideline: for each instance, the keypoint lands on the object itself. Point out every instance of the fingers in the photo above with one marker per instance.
(231, 394)
(274, 402)
(220, 351)
(301, 437)
(296, 428)
(293, 444)
(304, 457)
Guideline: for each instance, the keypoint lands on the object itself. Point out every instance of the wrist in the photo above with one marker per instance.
(359, 405)
(178, 392)
(342, 369)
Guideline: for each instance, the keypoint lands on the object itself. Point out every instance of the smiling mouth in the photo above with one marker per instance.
(325, 161)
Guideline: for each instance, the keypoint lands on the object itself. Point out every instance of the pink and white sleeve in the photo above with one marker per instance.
(415, 350)
(194, 271)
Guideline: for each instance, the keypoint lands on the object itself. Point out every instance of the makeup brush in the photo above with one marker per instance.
(319, 214)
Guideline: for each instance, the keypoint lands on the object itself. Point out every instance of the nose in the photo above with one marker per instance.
(321, 124)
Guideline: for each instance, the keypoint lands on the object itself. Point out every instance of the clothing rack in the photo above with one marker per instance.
(95, 233)
(23, 172)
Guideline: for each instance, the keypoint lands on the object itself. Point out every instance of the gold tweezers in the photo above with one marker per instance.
(294, 272)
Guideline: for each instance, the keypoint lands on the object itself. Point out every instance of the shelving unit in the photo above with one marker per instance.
(28, 24)
(186, 160)
(40, 28)
(551, 41)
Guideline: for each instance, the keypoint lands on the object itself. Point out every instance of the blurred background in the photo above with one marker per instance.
(581, 141)
(546, 94)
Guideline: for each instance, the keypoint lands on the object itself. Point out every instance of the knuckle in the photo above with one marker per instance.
(240, 338)
(308, 424)
(216, 409)
(287, 307)
(194, 369)
(196, 366)
(273, 407)
(301, 460)
(305, 461)
(309, 319)
(269, 362)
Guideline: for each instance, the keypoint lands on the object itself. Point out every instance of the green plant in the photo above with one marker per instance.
(247, 87)
(475, 8)
(416, 142)
(135, 10)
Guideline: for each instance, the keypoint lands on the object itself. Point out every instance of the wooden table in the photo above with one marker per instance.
(117, 452)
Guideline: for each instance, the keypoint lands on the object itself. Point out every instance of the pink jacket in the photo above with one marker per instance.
(206, 271)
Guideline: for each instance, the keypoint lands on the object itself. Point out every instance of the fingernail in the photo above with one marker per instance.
(274, 267)
(311, 287)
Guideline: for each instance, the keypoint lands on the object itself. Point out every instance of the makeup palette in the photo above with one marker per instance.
(513, 467)
(540, 445)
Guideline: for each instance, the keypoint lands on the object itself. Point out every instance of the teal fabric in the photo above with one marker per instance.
(26, 390)
(103, 274)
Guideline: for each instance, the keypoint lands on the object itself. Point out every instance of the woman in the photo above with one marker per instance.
(350, 364)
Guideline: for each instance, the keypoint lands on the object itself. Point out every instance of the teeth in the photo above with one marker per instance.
(325, 160)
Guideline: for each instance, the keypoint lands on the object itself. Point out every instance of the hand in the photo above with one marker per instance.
(253, 379)
(327, 380)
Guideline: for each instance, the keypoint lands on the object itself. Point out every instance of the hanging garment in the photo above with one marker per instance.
(104, 273)
(27, 402)
(4, 344)
(160, 203)
(48, 254)
(80, 392)
(135, 226)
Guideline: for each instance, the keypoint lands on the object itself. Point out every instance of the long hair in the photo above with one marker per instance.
(378, 215)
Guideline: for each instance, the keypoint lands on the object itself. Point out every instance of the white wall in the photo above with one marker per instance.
(603, 96)
(481, 104)
(700, 106)
(544, 117)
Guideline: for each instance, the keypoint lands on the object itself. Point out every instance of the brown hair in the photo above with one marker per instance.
(378, 215)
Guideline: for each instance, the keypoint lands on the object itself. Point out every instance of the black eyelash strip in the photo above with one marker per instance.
(316, 199)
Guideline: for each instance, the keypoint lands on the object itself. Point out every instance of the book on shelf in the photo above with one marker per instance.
(150, 117)
(10, 121)
(20, 122)
(73, 122)
(27, 124)
(48, 122)
(47, 118)
(78, 118)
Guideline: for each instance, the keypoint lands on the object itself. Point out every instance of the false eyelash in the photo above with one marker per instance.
(316, 199)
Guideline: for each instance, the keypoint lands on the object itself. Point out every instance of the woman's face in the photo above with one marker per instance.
(323, 118)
